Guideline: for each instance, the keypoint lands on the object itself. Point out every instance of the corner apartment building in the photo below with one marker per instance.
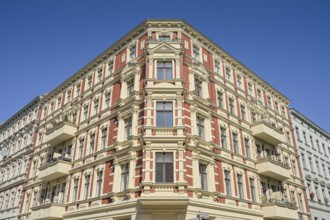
(16, 144)
(164, 124)
(313, 144)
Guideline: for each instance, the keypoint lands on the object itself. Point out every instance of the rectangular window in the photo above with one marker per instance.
(128, 128)
(164, 167)
(250, 88)
(81, 148)
(253, 190)
(312, 142)
(110, 67)
(228, 73)
(87, 183)
(196, 52)
(89, 82)
(164, 70)
(243, 112)
(240, 186)
(235, 142)
(220, 99)
(164, 114)
(269, 102)
(75, 190)
(200, 127)
(99, 183)
(164, 38)
(227, 182)
(254, 117)
(107, 100)
(303, 160)
(247, 148)
(85, 115)
(124, 176)
(217, 66)
(203, 176)
(223, 137)
(132, 53)
(104, 138)
(231, 106)
(305, 138)
(99, 75)
(96, 106)
(294, 168)
(198, 87)
(297, 133)
(130, 88)
(239, 81)
(91, 143)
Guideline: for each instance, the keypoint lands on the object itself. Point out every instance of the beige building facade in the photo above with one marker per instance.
(16, 145)
(164, 124)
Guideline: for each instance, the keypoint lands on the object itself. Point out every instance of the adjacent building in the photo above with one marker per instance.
(16, 146)
(164, 124)
(313, 144)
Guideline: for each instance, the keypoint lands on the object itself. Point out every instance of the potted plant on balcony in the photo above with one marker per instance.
(312, 194)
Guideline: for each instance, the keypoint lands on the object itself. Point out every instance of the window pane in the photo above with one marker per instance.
(169, 172)
(160, 105)
(159, 157)
(159, 119)
(160, 74)
(168, 157)
(169, 119)
(168, 64)
(159, 173)
(168, 106)
(169, 74)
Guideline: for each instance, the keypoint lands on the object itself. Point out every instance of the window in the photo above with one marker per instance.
(247, 148)
(216, 66)
(110, 67)
(305, 138)
(276, 107)
(297, 133)
(283, 111)
(254, 117)
(164, 167)
(87, 183)
(231, 105)
(99, 75)
(91, 143)
(312, 142)
(203, 176)
(303, 160)
(235, 142)
(240, 186)
(200, 127)
(223, 137)
(195, 52)
(104, 138)
(198, 87)
(243, 112)
(288, 137)
(107, 100)
(130, 88)
(220, 99)
(250, 88)
(294, 168)
(227, 182)
(269, 102)
(228, 73)
(75, 190)
(96, 106)
(164, 114)
(323, 169)
(259, 96)
(164, 70)
(301, 203)
(85, 114)
(89, 82)
(59, 102)
(318, 145)
(128, 128)
(239, 81)
(81, 148)
(132, 52)
(124, 176)
(317, 166)
(99, 183)
(310, 160)
(78, 89)
(253, 190)
(164, 38)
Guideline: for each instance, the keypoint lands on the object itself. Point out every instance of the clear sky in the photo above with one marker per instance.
(285, 42)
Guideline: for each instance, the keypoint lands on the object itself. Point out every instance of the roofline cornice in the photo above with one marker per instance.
(303, 118)
(149, 23)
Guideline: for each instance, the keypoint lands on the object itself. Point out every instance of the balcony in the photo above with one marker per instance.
(264, 131)
(54, 170)
(60, 133)
(274, 168)
(48, 212)
(277, 209)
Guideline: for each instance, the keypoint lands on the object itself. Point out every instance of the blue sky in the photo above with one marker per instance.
(285, 42)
